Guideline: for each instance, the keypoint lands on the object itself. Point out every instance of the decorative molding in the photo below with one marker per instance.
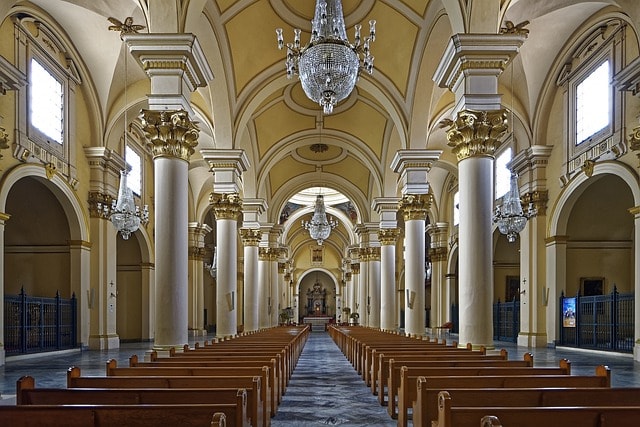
(438, 254)
(510, 28)
(226, 206)
(97, 202)
(170, 133)
(538, 199)
(250, 236)
(388, 236)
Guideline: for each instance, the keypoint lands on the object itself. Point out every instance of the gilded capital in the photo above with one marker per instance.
(250, 236)
(373, 254)
(170, 133)
(438, 254)
(476, 133)
(226, 205)
(538, 199)
(99, 204)
(268, 254)
(4, 140)
(388, 236)
(355, 268)
(415, 206)
(196, 253)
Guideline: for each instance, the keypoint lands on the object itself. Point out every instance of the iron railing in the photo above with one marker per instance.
(600, 322)
(506, 320)
(37, 324)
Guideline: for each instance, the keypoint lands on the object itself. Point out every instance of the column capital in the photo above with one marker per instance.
(373, 253)
(4, 136)
(170, 133)
(227, 166)
(415, 206)
(268, 254)
(438, 254)
(175, 63)
(226, 206)
(97, 202)
(471, 65)
(413, 167)
(355, 268)
(250, 236)
(476, 133)
(438, 233)
(538, 199)
(388, 236)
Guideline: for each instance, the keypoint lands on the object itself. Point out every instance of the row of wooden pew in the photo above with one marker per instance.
(440, 385)
(234, 382)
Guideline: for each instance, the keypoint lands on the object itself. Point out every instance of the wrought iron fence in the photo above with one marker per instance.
(601, 322)
(506, 320)
(37, 324)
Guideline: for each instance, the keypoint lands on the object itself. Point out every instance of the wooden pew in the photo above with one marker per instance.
(256, 394)
(28, 394)
(111, 415)
(461, 416)
(400, 358)
(407, 390)
(267, 375)
(426, 406)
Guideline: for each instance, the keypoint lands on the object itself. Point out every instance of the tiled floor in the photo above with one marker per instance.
(324, 389)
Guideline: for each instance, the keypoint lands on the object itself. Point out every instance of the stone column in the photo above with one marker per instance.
(264, 287)
(364, 301)
(556, 260)
(227, 208)
(470, 68)
(388, 238)
(176, 66)
(635, 211)
(530, 165)
(355, 274)
(250, 240)
(440, 297)
(282, 290)
(373, 254)
(274, 294)
(80, 268)
(414, 208)
(196, 273)
(105, 166)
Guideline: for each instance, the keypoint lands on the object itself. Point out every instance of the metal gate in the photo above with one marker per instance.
(37, 324)
(600, 322)
(506, 320)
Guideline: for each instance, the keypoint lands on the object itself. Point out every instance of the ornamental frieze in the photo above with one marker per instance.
(170, 133)
(226, 205)
(415, 206)
(388, 236)
(250, 236)
(476, 133)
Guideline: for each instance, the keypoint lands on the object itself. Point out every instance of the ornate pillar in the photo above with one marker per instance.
(440, 296)
(274, 294)
(197, 232)
(530, 165)
(364, 299)
(265, 303)
(355, 275)
(282, 289)
(227, 208)
(104, 166)
(373, 254)
(388, 238)
(250, 240)
(414, 208)
(176, 66)
(470, 68)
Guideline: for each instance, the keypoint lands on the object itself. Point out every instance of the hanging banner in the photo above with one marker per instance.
(569, 312)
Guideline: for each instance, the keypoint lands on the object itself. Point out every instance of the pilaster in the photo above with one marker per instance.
(250, 239)
(438, 255)
(197, 232)
(388, 238)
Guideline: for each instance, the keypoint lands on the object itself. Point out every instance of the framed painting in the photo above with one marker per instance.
(512, 290)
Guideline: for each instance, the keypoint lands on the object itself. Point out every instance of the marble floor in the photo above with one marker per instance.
(324, 388)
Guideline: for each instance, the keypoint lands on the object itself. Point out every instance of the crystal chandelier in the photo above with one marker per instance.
(510, 216)
(319, 227)
(329, 64)
(125, 215)
(213, 267)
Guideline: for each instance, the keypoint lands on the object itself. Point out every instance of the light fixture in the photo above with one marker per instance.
(319, 227)
(329, 65)
(510, 216)
(213, 267)
(124, 214)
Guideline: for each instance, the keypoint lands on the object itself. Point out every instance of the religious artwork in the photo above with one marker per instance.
(513, 289)
(317, 254)
(569, 312)
(590, 286)
(317, 300)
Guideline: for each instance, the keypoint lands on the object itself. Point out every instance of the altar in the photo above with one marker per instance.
(318, 323)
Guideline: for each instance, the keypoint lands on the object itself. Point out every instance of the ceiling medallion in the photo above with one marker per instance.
(319, 148)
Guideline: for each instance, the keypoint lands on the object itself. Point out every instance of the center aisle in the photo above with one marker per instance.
(326, 390)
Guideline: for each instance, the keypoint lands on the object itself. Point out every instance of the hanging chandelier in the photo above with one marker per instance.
(125, 215)
(319, 227)
(510, 216)
(329, 65)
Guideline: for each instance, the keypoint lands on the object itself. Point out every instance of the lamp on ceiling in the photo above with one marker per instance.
(329, 65)
(320, 226)
(123, 213)
(510, 216)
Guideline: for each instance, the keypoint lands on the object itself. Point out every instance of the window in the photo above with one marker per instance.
(593, 103)
(502, 173)
(134, 179)
(46, 102)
